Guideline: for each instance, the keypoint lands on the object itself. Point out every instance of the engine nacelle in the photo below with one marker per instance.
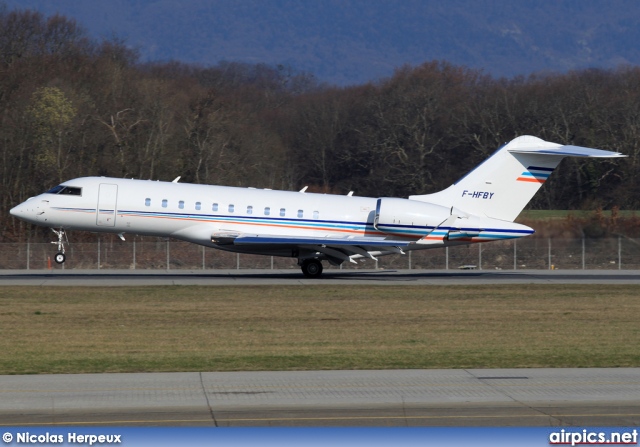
(410, 218)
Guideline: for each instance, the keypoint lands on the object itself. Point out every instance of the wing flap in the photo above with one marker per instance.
(338, 249)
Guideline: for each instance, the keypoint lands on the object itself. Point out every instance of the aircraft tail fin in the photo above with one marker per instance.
(502, 186)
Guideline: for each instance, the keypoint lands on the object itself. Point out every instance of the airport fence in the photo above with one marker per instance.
(147, 254)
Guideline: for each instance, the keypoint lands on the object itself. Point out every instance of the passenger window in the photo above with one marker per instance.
(181, 204)
(231, 208)
(249, 209)
(316, 215)
(282, 212)
(164, 203)
(147, 202)
(300, 213)
(267, 211)
(214, 207)
(198, 206)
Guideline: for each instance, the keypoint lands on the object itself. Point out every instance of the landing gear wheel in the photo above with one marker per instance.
(312, 268)
(60, 256)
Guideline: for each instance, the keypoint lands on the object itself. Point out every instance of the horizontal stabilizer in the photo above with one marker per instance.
(569, 151)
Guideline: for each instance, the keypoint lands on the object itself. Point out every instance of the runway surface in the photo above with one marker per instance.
(506, 397)
(107, 278)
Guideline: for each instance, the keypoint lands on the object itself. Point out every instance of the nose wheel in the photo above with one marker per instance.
(62, 237)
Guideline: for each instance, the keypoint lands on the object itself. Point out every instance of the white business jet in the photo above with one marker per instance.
(480, 207)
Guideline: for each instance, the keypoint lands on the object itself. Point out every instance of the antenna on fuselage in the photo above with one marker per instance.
(175, 180)
(304, 189)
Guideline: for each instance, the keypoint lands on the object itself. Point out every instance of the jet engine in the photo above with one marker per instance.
(411, 218)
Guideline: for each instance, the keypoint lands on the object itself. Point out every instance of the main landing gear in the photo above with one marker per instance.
(311, 268)
(60, 256)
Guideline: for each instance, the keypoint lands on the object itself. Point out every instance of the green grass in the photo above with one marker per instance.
(131, 329)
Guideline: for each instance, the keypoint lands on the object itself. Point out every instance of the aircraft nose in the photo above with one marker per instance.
(15, 211)
(25, 211)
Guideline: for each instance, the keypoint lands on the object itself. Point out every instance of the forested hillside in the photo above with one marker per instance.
(71, 106)
(349, 42)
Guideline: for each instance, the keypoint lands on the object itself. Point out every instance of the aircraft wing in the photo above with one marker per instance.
(342, 248)
(245, 239)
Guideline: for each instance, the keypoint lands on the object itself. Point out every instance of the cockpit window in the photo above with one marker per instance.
(65, 190)
(71, 191)
(55, 189)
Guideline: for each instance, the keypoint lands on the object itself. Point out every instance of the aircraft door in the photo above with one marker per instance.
(107, 199)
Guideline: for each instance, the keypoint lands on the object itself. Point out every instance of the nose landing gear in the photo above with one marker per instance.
(60, 256)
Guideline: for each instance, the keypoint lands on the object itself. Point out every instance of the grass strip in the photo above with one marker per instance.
(192, 328)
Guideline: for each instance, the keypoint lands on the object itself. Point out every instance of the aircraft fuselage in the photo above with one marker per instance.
(200, 213)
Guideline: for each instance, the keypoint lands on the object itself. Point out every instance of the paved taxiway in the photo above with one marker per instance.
(521, 397)
(105, 278)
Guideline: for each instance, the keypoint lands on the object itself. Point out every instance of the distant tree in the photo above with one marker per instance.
(71, 106)
(51, 115)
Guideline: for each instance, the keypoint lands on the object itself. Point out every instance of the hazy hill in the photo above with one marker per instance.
(353, 41)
